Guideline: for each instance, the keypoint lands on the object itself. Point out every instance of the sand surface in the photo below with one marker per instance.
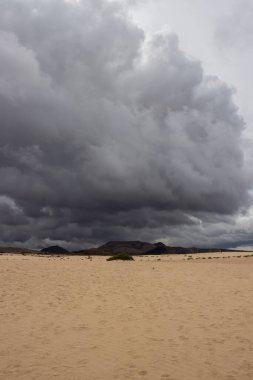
(175, 319)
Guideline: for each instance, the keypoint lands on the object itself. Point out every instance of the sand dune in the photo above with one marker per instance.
(175, 319)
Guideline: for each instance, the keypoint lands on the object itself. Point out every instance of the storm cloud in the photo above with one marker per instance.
(107, 133)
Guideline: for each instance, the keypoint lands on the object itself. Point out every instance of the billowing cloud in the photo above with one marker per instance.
(107, 133)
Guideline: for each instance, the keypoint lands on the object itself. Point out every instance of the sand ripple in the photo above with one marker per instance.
(75, 318)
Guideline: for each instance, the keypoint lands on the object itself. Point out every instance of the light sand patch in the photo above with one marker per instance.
(75, 318)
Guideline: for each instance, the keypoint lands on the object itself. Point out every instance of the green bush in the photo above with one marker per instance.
(120, 256)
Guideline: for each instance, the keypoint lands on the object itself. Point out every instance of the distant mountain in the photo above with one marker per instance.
(144, 248)
(130, 247)
(16, 250)
(137, 248)
(115, 247)
(157, 249)
(140, 248)
(54, 249)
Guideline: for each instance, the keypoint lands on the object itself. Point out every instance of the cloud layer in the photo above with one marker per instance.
(108, 134)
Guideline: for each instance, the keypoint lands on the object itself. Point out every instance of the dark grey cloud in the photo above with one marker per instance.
(106, 133)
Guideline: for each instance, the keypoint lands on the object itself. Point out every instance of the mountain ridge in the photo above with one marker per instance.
(132, 247)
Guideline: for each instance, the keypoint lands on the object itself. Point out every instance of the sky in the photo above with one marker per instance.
(126, 120)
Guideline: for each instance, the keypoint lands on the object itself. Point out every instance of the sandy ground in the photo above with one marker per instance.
(173, 318)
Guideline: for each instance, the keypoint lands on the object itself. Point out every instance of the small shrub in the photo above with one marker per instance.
(120, 256)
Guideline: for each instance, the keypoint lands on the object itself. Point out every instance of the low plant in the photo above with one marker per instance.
(120, 256)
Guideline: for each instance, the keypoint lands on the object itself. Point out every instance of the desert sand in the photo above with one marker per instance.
(165, 317)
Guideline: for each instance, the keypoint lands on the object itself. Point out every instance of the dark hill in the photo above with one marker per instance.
(158, 249)
(16, 250)
(144, 248)
(54, 249)
(117, 247)
(140, 248)
(130, 247)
